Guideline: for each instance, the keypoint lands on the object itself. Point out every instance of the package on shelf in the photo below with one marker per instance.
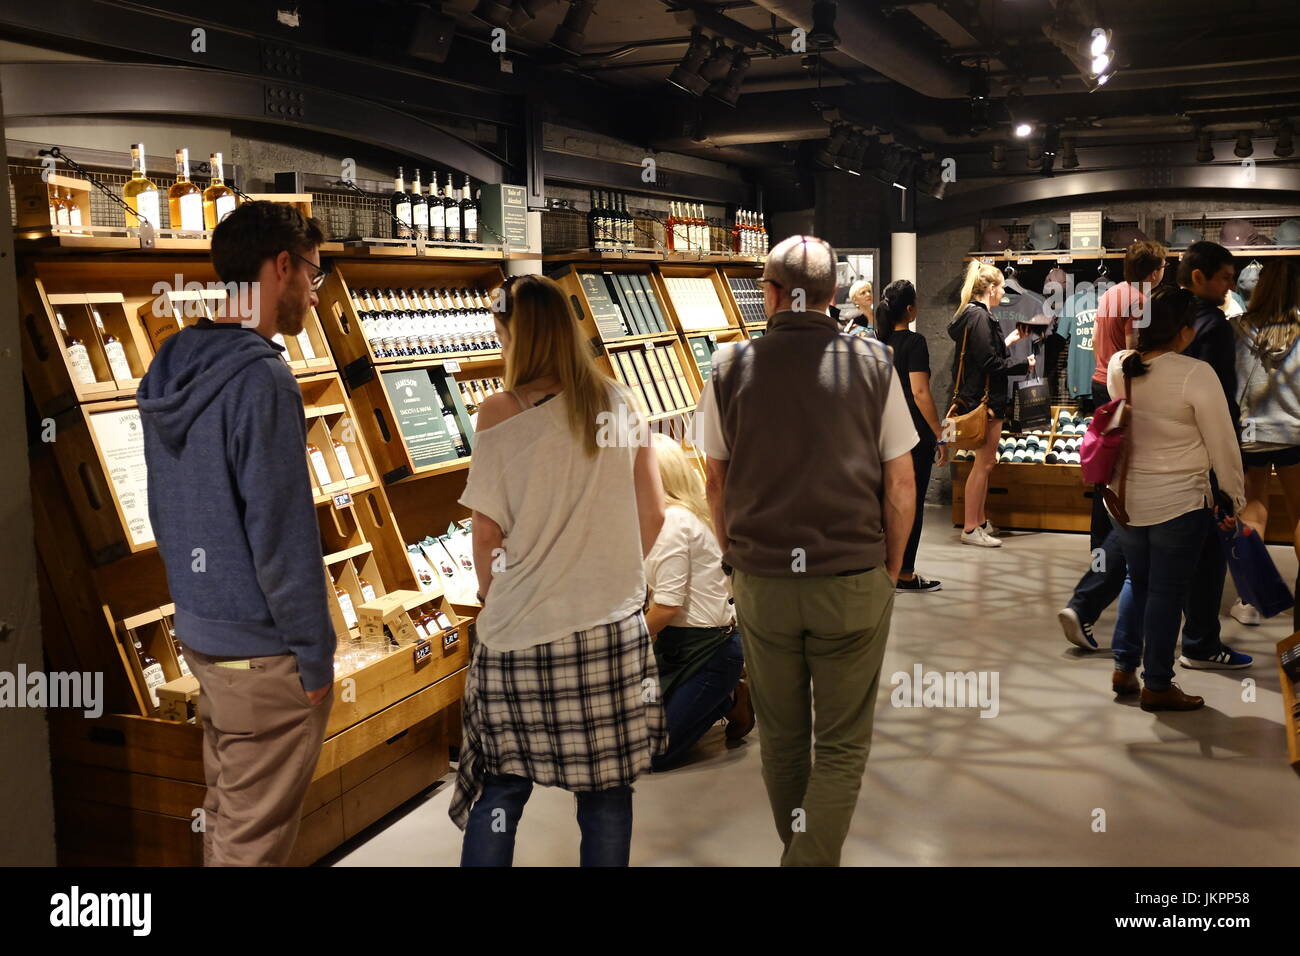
(426, 572)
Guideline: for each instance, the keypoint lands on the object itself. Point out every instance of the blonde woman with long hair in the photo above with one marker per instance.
(981, 364)
(1268, 368)
(566, 504)
(697, 645)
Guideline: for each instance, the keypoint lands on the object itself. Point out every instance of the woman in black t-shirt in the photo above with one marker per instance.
(894, 315)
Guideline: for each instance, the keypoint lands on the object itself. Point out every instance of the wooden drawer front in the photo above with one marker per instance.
(393, 786)
(101, 834)
(142, 745)
(352, 743)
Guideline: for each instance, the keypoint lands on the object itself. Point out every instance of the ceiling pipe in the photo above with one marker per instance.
(869, 39)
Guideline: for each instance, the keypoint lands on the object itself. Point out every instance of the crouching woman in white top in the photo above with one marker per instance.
(1180, 430)
(566, 503)
(691, 616)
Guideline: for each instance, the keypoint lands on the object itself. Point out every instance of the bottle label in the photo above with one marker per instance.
(437, 217)
(191, 213)
(349, 612)
(471, 223)
(180, 661)
(79, 359)
(117, 361)
(225, 205)
(368, 593)
(322, 470)
(345, 461)
(153, 679)
(61, 215)
(74, 215)
(403, 212)
(146, 204)
(453, 221)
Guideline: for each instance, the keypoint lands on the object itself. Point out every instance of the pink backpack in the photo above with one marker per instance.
(1103, 453)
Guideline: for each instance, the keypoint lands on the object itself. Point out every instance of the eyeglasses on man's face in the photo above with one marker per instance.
(318, 274)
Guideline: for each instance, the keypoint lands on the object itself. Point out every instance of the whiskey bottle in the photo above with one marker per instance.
(140, 194)
(452, 210)
(437, 211)
(176, 645)
(344, 459)
(318, 465)
(73, 211)
(469, 214)
(399, 204)
(629, 225)
(153, 672)
(114, 351)
(453, 430)
(218, 199)
(184, 199)
(345, 605)
(593, 232)
(367, 590)
(419, 208)
(78, 357)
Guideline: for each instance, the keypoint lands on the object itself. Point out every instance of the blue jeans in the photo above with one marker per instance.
(699, 702)
(604, 817)
(1201, 638)
(1162, 562)
(1097, 590)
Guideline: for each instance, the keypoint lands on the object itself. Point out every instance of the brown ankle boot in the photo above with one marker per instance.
(1171, 699)
(740, 719)
(1124, 683)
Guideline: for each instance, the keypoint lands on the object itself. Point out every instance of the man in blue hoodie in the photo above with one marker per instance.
(231, 507)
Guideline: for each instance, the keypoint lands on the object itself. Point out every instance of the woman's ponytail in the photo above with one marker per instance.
(898, 296)
(979, 278)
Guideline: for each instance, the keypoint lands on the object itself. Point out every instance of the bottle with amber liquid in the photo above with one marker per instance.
(184, 199)
(141, 194)
(218, 199)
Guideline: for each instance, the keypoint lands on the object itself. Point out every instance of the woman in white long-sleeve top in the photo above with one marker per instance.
(1180, 430)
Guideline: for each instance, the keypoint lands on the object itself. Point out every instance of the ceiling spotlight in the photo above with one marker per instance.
(1023, 129)
(1099, 43)
(495, 12)
(686, 75)
(719, 62)
(1102, 80)
(832, 153)
(1204, 146)
(1099, 64)
(569, 34)
(999, 156)
(1284, 146)
(822, 34)
(727, 89)
(1244, 146)
(1069, 157)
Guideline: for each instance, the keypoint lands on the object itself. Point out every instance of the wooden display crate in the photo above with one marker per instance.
(603, 315)
(330, 417)
(33, 194)
(728, 317)
(400, 611)
(343, 326)
(701, 366)
(658, 372)
(406, 434)
(729, 272)
(46, 357)
(1037, 497)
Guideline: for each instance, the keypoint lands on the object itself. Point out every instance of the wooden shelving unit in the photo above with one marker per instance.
(126, 783)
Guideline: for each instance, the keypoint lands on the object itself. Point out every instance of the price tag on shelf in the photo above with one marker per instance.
(451, 365)
(451, 638)
(1025, 261)
(343, 500)
(1064, 260)
(989, 260)
(422, 652)
(713, 336)
(649, 346)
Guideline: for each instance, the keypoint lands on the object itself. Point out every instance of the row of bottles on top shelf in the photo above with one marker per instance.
(403, 322)
(609, 223)
(748, 234)
(686, 229)
(449, 215)
(191, 209)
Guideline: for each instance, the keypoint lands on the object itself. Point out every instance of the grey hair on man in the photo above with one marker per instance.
(803, 262)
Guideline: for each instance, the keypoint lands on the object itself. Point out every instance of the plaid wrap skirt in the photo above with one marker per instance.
(581, 713)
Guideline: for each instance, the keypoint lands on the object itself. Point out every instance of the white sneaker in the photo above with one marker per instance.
(1246, 614)
(988, 528)
(980, 539)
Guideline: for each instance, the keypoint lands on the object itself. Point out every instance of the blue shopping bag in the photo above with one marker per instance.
(1253, 571)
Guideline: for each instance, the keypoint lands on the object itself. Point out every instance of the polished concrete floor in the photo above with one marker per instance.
(1062, 775)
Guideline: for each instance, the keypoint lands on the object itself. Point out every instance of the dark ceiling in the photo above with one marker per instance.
(904, 68)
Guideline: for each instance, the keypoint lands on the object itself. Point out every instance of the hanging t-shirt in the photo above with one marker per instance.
(1078, 326)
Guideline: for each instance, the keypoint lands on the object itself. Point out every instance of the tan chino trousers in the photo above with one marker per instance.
(813, 651)
(261, 741)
